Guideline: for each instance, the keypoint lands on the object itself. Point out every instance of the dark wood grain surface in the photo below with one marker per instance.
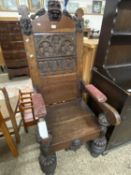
(113, 67)
(80, 123)
(13, 48)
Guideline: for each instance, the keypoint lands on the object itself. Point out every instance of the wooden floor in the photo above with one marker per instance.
(69, 121)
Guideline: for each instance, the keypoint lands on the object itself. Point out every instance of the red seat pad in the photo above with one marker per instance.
(96, 93)
(39, 105)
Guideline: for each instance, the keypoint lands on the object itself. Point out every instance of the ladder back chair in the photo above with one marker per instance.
(9, 110)
(32, 108)
(7, 135)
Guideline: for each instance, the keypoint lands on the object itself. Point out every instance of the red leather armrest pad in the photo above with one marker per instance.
(39, 105)
(96, 93)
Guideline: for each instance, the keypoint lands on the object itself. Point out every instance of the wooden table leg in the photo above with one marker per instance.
(9, 139)
(12, 115)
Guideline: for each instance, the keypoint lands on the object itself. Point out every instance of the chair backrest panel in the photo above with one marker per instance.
(43, 24)
(54, 49)
(55, 53)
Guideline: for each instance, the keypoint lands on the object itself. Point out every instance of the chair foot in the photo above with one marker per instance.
(26, 130)
(75, 145)
(18, 139)
(105, 153)
(48, 163)
(98, 146)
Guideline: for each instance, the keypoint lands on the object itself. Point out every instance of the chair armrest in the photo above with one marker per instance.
(110, 112)
(35, 100)
(95, 93)
(43, 136)
(39, 105)
(42, 130)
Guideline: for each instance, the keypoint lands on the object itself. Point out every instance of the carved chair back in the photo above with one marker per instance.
(54, 51)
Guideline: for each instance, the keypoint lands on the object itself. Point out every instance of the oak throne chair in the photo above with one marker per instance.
(54, 51)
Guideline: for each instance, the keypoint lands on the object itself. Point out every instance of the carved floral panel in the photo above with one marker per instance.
(55, 52)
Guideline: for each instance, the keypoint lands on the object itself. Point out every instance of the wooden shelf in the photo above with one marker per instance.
(95, 14)
(121, 34)
(118, 66)
(121, 38)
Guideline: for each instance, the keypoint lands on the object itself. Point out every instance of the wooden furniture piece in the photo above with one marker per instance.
(9, 110)
(32, 108)
(112, 71)
(2, 62)
(13, 48)
(6, 133)
(86, 31)
(89, 51)
(54, 53)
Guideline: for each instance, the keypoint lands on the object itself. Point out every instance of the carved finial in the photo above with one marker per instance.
(79, 19)
(25, 21)
(66, 13)
(38, 13)
(23, 11)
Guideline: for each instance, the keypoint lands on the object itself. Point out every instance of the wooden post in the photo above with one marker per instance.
(8, 137)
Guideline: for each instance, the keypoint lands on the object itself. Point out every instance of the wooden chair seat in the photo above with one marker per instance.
(80, 123)
(28, 117)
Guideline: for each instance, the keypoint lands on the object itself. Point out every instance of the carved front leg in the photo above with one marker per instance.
(48, 163)
(108, 117)
(47, 160)
(75, 145)
(98, 145)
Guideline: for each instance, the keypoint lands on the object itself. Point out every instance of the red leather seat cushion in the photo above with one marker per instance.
(96, 93)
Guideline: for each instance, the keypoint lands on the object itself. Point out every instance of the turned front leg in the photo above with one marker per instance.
(98, 145)
(47, 159)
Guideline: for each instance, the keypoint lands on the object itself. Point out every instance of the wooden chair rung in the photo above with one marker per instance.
(11, 114)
